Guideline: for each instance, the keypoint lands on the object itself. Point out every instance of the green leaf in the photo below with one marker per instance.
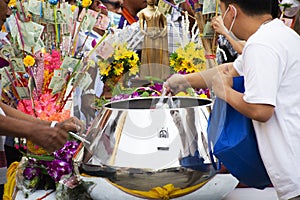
(40, 157)
(145, 94)
(286, 5)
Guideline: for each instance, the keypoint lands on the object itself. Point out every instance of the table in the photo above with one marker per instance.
(251, 193)
(216, 189)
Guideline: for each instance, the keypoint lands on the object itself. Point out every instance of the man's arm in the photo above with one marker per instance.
(222, 87)
(18, 124)
(218, 26)
(16, 114)
(203, 79)
(258, 112)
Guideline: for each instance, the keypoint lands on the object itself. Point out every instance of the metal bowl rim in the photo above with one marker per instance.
(210, 102)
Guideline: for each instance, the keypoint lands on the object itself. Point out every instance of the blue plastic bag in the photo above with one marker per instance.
(234, 142)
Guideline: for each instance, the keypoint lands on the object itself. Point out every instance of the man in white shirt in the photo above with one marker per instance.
(270, 64)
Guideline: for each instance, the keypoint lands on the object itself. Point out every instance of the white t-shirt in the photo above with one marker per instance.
(270, 63)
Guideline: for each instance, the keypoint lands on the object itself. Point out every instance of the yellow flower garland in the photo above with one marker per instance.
(9, 186)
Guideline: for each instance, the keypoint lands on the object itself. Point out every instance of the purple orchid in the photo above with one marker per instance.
(31, 172)
(58, 168)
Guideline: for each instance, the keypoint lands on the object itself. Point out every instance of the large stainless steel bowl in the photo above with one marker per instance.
(139, 146)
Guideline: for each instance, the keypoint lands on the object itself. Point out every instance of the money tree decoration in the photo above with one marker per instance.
(43, 69)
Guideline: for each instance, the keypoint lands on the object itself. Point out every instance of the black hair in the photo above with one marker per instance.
(253, 7)
(275, 9)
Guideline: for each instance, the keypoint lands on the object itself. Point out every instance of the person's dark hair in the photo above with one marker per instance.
(275, 9)
(114, 4)
(253, 7)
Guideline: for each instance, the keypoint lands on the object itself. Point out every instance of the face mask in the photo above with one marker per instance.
(232, 23)
(114, 18)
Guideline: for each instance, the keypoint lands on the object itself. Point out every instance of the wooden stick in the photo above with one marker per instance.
(215, 34)
(119, 130)
(206, 43)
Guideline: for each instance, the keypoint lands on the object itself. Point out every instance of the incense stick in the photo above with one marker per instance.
(79, 137)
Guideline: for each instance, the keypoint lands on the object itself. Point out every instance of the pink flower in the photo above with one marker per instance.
(52, 61)
(94, 43)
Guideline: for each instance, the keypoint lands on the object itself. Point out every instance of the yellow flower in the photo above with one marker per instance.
(136, 58)
(133, 70)
(122, 61)
(28, 61)
(104, 68)
(127, 54)
(132, 63)
(188, 59)
(181, 94)
(118, 54)
(12, 3)
(86, 3)
(3, 29)
(121, 52)
(203, 96)
(172, 62)
(73, 7)
(118, 69)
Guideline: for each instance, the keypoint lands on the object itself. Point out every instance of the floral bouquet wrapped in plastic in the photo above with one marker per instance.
(44, 66)
(122, 62)
(52, 172)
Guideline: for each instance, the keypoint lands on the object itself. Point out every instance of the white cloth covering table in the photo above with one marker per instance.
(216, 189)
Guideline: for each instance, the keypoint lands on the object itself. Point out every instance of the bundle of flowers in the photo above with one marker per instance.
(52, 171)
(121, 62)
(188, 59)
(44, 66)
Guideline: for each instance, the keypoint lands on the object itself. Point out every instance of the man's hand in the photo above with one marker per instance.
(218, 25)
(72, 124)
(176, 83)
(53, 138)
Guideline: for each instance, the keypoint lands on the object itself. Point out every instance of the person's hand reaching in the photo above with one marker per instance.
(176, 83)
(72, 124)
(218, 25)
(53, 138)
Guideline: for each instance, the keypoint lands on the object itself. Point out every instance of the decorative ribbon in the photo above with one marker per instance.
(166, 192)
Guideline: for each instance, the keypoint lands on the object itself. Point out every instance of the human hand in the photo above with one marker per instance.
(53, 138)
(218, 25)
(221, 82)
(176, 83)
(72, 124)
